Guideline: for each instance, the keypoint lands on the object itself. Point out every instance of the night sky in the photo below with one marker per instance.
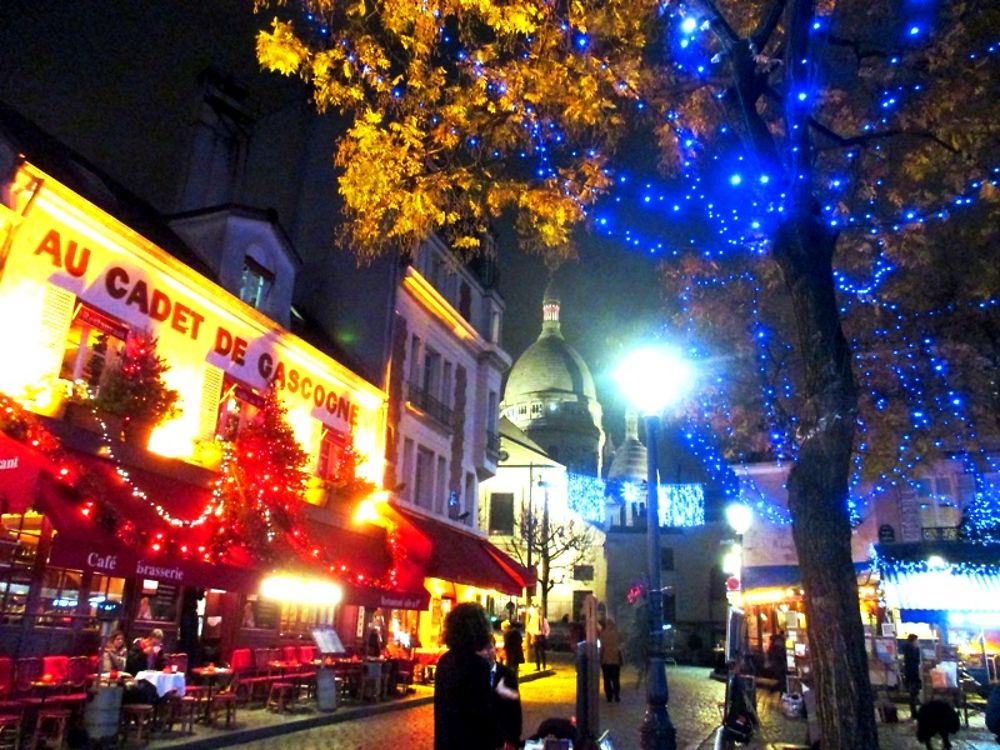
(116, 81)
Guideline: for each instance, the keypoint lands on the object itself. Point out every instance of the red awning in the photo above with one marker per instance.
(463, 557)
(20, 468)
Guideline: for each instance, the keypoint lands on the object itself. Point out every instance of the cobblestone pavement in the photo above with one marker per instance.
(693, 708)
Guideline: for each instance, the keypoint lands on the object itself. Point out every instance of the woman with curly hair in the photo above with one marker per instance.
(462, 693)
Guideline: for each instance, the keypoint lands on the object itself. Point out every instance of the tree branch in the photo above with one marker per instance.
(863, 139)
(768, 24)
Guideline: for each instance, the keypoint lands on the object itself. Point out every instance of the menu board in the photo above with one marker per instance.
(327, 641)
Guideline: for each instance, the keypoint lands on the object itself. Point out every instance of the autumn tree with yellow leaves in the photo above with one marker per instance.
(838, 122)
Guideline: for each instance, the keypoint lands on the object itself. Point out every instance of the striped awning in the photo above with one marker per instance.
(947, 589)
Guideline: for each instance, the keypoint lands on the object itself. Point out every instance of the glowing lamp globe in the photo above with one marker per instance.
(739, 516)
(652, 379)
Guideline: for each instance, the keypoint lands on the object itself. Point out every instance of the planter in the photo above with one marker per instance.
(137, 434)
(100, 717)
(81, 414)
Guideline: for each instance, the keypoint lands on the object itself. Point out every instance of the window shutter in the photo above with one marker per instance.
(211, 390)
(57, 316)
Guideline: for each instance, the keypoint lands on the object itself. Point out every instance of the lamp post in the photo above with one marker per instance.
(651, 379)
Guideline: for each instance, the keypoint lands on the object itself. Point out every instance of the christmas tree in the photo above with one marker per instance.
(265, 484)
(135, 389)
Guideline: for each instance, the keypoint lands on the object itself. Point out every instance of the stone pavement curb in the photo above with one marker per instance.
(250, 734)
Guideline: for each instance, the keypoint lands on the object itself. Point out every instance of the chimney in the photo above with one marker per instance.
(220, 134)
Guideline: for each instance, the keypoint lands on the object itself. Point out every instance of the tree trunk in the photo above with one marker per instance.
(818, 487)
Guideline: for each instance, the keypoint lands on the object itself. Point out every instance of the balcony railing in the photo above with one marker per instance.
(940, 533)
(433, 408)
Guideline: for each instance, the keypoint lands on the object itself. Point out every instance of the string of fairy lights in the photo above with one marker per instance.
(725, 200)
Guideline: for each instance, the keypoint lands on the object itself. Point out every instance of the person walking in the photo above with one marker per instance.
(541, 642)
(611, 660)
(464, 716)
(911, 671)
(513, 646)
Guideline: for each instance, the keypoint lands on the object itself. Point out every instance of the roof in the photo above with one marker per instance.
(549, 365)
(55, 158)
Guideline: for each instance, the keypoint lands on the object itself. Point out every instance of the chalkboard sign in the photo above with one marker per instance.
(886, 534)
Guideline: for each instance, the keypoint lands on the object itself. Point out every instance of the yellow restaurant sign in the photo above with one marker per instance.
(66, 252)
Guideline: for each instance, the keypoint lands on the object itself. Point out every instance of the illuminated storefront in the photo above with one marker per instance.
(75, 284)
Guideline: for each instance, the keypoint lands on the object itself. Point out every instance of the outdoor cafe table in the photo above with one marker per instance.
(164, 681)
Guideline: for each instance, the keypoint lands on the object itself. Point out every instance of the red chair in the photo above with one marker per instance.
(307, 654)
(179, 661)
(77, 680)
(55, 668)
(7, 703)
(290, 655)
(244, 675)
(26, 672)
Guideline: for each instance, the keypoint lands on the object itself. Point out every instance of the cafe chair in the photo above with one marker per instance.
(245, 679)
(77, 679)
(223, 702)
(404, 675)
(198, 694)
(371, 681)
(8, 705)
(10, 731)
(137, 717)
(50, 728)
(179, 662)
(55, 668)
(187, 713)
(281, 696)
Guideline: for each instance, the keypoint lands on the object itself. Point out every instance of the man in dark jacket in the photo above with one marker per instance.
(513, 646)
(507, 715)
(911, 671)
(463, 696)
(146, 653)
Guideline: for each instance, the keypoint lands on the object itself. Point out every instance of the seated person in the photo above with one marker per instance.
(146, 653)
(114, 654)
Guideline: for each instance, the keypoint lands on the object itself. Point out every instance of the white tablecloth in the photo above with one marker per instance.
(165, 682)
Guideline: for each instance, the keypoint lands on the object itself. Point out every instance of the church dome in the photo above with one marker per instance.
(550, 364)
(629, 463)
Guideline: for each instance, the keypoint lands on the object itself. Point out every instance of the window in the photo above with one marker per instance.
(470, 498)
(256, 283)
(237, 407)
(441, 487)
(423, 480)
(408, 470)
(583, 572)
(446, 384)
(94, 343)
(669, 609)
(17, 561)
(415, 359)
(465, 300)
(432, 372)
(502, 513)
(666, 558)
(332, 463)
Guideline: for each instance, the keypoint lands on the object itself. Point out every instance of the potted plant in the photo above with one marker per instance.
(135, 391)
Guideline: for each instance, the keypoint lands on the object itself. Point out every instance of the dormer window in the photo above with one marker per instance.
(256, 284)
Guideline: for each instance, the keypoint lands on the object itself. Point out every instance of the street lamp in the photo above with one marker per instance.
(652, 379)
